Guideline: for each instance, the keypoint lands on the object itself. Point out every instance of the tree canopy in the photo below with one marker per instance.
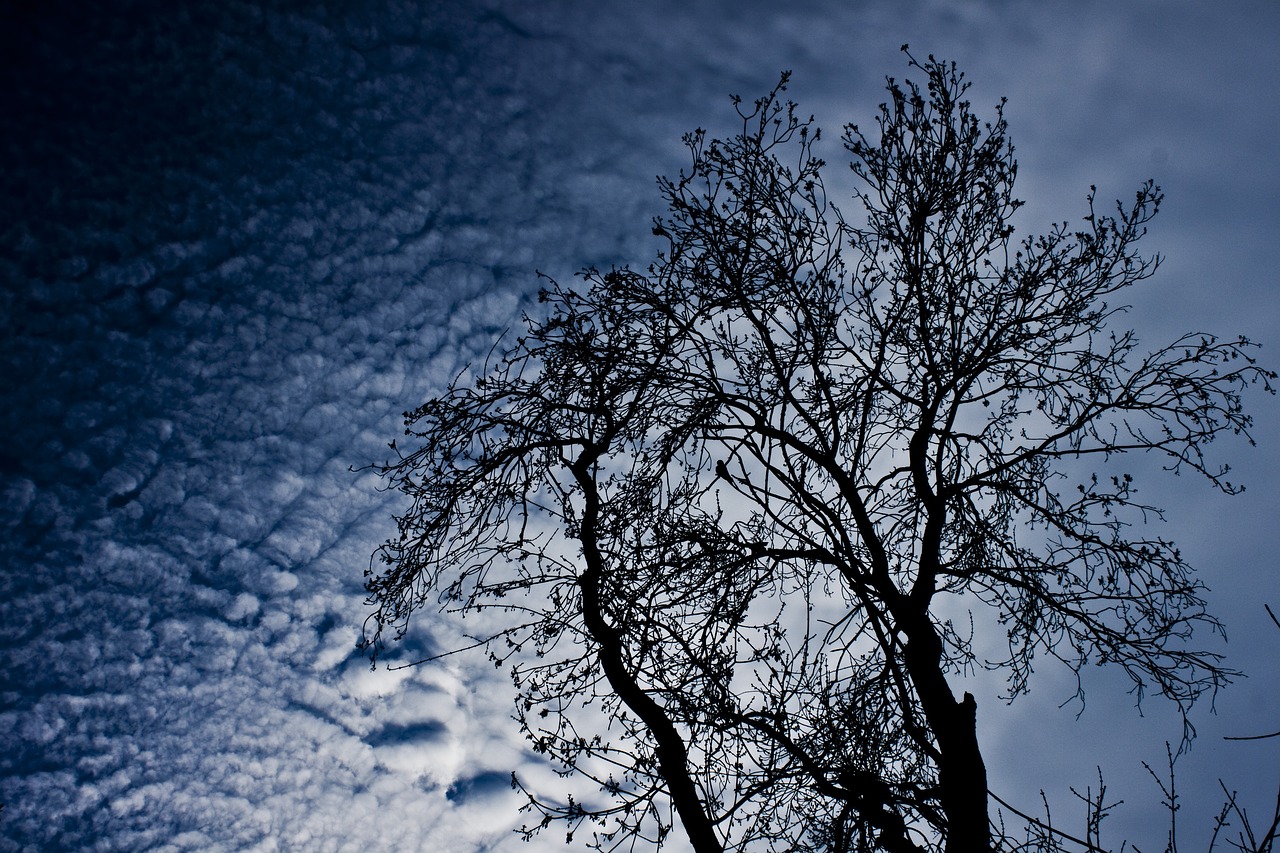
(738, 516)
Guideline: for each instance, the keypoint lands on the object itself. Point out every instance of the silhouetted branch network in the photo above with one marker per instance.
(719, 508)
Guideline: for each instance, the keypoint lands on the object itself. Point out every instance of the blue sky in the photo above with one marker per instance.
(236, 242)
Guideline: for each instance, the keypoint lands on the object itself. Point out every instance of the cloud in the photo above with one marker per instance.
(245, 239)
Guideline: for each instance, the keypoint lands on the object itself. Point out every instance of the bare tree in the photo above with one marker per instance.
(731, 507)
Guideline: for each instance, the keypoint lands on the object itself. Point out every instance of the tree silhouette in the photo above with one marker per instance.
(722, 516)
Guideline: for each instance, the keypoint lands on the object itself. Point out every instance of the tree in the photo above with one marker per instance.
(731, 507)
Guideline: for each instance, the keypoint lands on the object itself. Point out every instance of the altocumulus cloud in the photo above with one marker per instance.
(237, 241)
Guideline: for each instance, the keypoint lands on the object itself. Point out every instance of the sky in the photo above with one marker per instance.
(238, 239)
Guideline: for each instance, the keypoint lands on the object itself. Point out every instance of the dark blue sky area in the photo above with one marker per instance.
(238, 239)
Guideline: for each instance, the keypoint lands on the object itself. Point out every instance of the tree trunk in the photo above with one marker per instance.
(962, 774)
(669, 746)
